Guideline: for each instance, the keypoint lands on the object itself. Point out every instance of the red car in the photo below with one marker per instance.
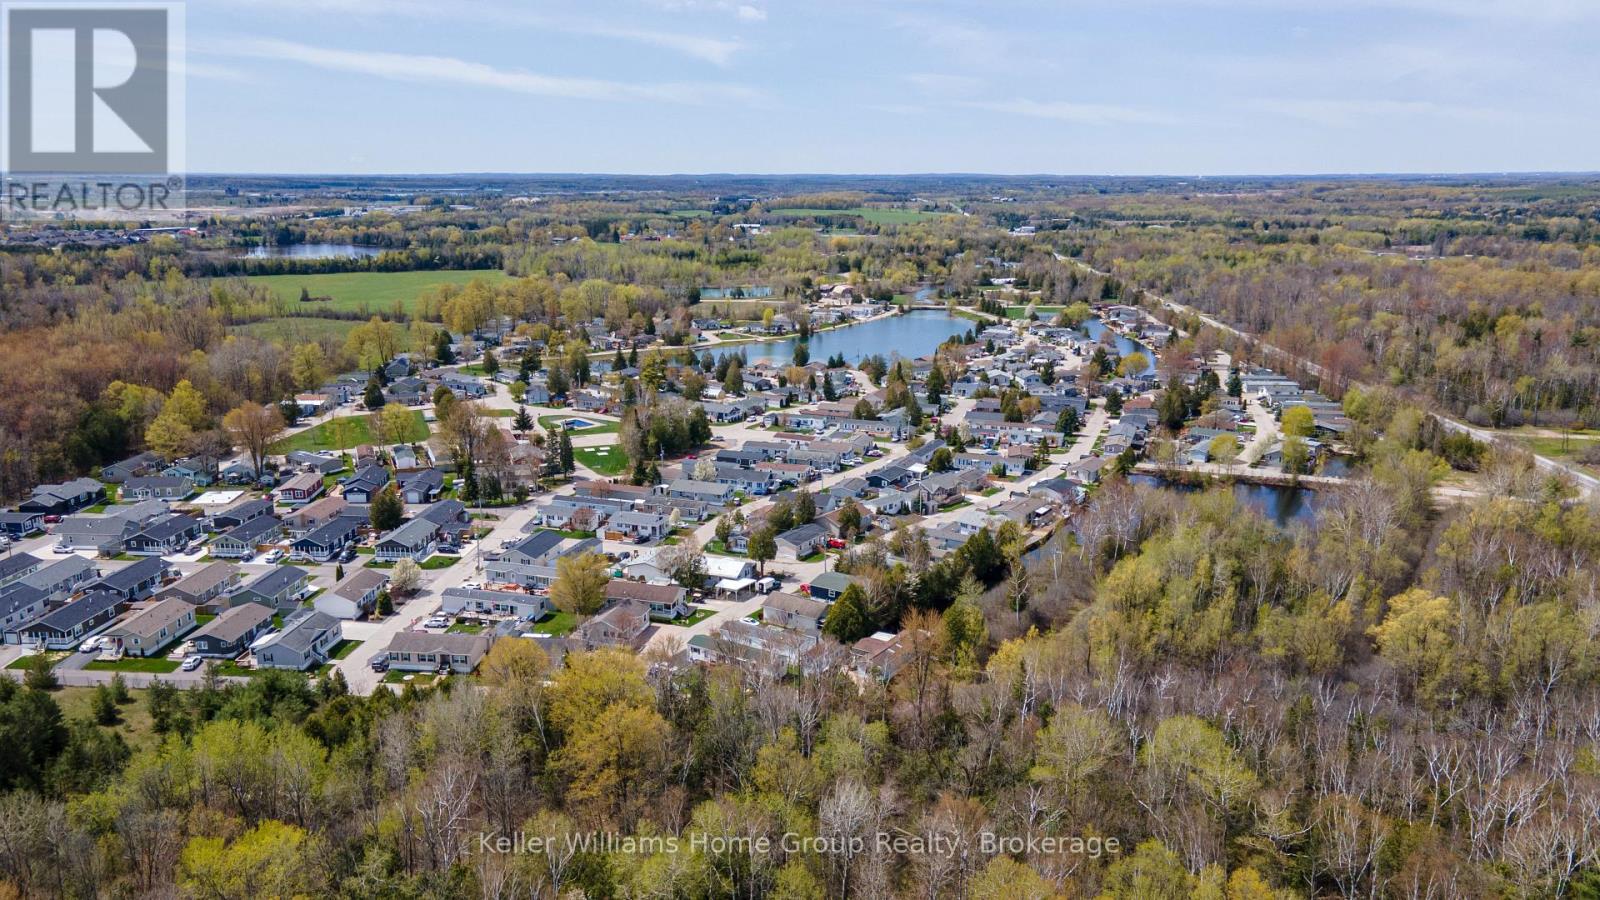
(836, 544)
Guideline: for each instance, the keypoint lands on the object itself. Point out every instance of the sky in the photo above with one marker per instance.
(1082, 87)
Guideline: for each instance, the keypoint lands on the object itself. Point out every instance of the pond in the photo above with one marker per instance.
(911, 335)
(1285, 506)
(311, 251)
(1094, 328)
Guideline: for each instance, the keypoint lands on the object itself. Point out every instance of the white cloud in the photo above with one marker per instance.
(1347, 113)
(445, 69)
(1077, 113)
(719, 51)
(748, 13)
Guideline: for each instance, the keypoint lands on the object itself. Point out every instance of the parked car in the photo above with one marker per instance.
(190, 663)
(437, 622)
(836, 544)
(90, 645)
(379, 663)
(272, 556)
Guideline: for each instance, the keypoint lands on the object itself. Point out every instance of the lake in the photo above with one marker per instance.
(311, 251)
(1285, 506)
(911, 335)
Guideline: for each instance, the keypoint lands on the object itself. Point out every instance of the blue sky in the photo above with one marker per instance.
(887, 86)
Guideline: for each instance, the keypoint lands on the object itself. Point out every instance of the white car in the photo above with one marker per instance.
(437, 622)
(89, 646)
(272, 556)
(190, 663)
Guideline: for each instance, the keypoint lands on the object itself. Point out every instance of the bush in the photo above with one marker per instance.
(39, 676)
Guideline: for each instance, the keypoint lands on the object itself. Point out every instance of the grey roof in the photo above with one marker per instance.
(444, 512)
(78, 611)
(130, 577)
(276, 581)
(538, 544)
(143, 511)
(17, 562)
(468, 645)
(244, 508)
(156, 481)
(155, 617)
(357, 585)
(205, 579)
(339, 528)
(809, 531)
(236, 622)
(795, 604)
(422, 478)
(17, 597)
(300, 631)
(171, 526)
(71, 567)
(89, 524)
(249, 532)
(832, 581)
(414, 533)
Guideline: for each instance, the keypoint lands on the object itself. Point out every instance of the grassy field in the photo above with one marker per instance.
(874, 216)
(25, 661)
(602, 460)
(438, 562)
(1564, 449)
(356, 433)
(159, 665)
(1045, 312)
(343, 649)
(297, 329)
(376, 292)
(136, 727)
(599, 427)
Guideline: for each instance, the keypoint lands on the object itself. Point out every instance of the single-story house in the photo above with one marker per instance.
(423, 651)
(829, 586)
(281, 587)
(136, 581)
(637, 526)
(148, 631)
(138, 464)
(705, 491)
(354, 597)
(327, 540)
(105, 535)
(246, 539)
(666, 601)
(798, 543)
(64, 627)
(19, 604)
(306, 640)
(422, 486)
(364, 485)
(412, 540)
(16, 565)
(804, 614)
(157, 487)
(311, 515)
(231, 632)
(163, 536)
(620, 624)
(301, 488)
(20, 524)
(61, 499)
(879, 656)
(479, 601)
(321, 464)
(239, 513)
(205, 586)
(60, 579)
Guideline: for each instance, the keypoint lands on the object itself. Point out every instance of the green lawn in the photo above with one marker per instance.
(1045, 312)
(364, 292)
(344, 648)
(699, 614)
(439, 562)
(134, 664)
(599, 427)
(355, 433)
(875, 216)
(602, 460)
(462, 628)
(24, 661)
(555, 624)
(395, 676)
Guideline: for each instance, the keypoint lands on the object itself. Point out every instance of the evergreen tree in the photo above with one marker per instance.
(523, 422)
(387, 510)
(491, 363)
(373, 397)
(568, 465)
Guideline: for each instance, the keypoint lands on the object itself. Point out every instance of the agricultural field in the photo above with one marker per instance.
(362, 292)
(292, 330)
(873, 215)
(351, 431)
